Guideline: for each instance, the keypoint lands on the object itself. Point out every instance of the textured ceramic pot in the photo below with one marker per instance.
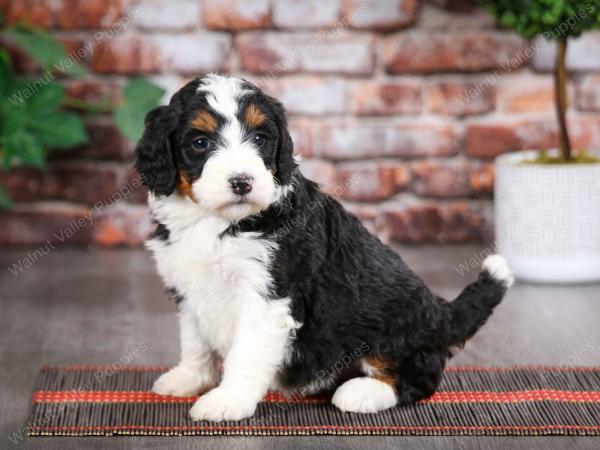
(547, 219)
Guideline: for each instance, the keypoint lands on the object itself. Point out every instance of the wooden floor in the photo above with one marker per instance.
(76, 306)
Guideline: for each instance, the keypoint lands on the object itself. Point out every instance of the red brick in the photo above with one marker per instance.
(321, 172)
(489, 139)
(39, 13)
(323, 52)
(178, 15)
(76, 48)
(583, 53)
(380, 14)
(311, 95)
(365, 212)
(89, 14)
(468, 51)
(127, 55)
(95, 91)
(370, 182)
(454, 19)
(23, 183)
(588, 93)
(236, 14)
(122, 225)
(482, 179)
(135, 54)
(371, 140)
(84, 182)
(133, 190)
(386, 98)
(435, 222)
(180, 53)
(301, 131)
(585, 133)
(524, 94)
(444, 179)
(37, 223)
(456, 5)
(305, 14)
(105, 142)
(460, 98)
(23, 63)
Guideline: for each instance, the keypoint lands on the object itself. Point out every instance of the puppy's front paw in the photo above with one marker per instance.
(222, 404)
(184, 382)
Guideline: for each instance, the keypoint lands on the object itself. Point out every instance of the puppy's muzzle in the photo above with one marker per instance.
(241, 184)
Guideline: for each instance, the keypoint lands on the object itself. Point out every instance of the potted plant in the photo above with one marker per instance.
(547, 203)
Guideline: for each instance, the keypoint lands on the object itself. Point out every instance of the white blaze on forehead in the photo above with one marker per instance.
(223, 94)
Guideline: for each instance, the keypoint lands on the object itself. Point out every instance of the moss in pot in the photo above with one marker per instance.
(547, 203)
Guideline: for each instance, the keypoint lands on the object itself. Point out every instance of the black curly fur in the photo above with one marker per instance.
(348, 290)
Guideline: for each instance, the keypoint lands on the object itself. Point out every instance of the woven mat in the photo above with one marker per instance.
(526, 401)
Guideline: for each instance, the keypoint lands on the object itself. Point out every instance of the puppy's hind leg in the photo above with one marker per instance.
(364, 395)
(369, 394)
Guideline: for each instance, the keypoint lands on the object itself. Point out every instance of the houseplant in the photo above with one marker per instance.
(34, 119)
(547, 203)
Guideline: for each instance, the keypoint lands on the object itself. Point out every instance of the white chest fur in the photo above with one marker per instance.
(215, 274)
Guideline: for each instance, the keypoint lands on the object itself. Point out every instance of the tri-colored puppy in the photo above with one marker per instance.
(274, 280)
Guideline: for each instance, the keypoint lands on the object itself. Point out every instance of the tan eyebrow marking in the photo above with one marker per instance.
(254, 117)
(204, 121)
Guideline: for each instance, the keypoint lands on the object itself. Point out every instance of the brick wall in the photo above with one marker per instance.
(411, 98)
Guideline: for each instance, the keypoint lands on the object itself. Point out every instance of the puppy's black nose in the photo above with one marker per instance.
(241, 184)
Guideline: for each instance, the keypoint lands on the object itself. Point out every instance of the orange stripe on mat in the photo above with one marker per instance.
(439, 397)
(317, 427)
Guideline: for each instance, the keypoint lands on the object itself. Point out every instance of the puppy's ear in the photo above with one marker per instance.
(154, 157)
(285, 148)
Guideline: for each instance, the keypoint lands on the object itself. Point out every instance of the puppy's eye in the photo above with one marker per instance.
(259, 139)
(201, 144)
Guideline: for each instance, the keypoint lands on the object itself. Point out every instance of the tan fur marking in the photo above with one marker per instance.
(185, 187)
(381, 369)
(205, 122)
(254, 117)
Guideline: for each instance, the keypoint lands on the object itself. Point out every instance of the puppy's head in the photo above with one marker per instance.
(222, 143)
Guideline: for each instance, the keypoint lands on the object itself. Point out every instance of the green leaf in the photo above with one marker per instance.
(5, 202)
(26, 147)
(5, 72)
(142, 93)
(45, 50)
(130, 121)
(69, 66)
(59, 130)
(47, 99)
(38, 44)
(13, 119)
(558, 18)
(139, 97)
(7, 154)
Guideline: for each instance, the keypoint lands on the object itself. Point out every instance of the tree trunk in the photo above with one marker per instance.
(560, 92)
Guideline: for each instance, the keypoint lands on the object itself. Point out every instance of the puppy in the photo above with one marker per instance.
(275, 282)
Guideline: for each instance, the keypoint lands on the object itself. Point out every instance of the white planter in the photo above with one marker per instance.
(547, 219)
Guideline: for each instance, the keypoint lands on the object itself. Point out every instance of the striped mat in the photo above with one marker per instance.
(526, 401)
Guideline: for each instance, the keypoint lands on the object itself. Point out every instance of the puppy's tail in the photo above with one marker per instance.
(471, 309)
